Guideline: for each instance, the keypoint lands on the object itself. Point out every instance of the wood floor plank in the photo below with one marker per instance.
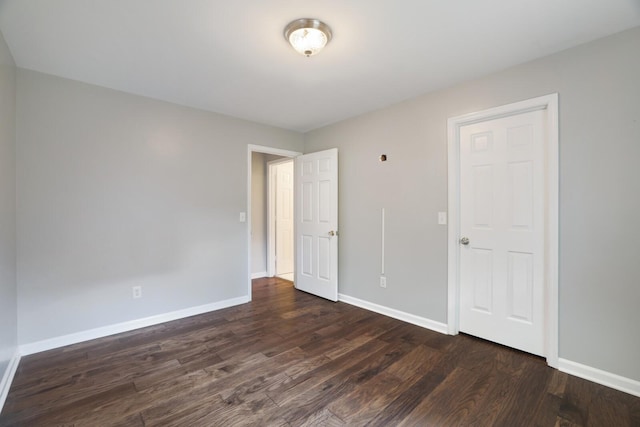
(323, 417)
(407, 401)
(72, 413)
(188, 408)
(526, 397)
(310, 363)
(547, 412)
(369, 399)
(289, 359)
(336, 387)
(490, 405)
(603, 411)
(248, 381)
(319, 375)
(417, 361)
(451, 402)
(577, 399)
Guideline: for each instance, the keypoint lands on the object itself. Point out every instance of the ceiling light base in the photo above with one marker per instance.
(307, 36)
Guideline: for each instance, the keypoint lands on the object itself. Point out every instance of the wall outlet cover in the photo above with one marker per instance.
(383, 282)
(137, 291)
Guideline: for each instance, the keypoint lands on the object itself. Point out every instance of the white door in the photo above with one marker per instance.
(284, 219)
(502, 230)
(316, 200)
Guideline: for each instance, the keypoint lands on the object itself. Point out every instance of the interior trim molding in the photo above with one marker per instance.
(259, 275)
(599, 376)
(104, 331)
(396, 314)
(7, 378)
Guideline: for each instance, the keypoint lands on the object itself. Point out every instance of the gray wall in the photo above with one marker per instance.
(258, 213)
(599, 90)
(8, 292)
(116, 190)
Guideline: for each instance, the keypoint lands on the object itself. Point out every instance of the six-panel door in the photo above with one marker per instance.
(316, 200)
(502, 215)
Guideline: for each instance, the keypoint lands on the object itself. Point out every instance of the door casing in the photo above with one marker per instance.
(551, 158)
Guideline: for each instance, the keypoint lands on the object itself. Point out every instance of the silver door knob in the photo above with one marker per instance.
(332, 233)
(464, 241)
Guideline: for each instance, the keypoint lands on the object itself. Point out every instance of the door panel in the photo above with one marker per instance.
(520, 286)
(316, 201)
(502, 215)
(483, 280)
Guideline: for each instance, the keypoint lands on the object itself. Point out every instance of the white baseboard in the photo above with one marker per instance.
(7, 378)
(605, 378)
(51, 343)
(259, 275)
(396, 314)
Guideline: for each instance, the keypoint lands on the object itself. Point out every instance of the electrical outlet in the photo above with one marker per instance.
(383, 282)
(137, 291)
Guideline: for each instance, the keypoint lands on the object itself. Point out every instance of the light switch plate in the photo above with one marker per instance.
(442, 218)
(243, 217)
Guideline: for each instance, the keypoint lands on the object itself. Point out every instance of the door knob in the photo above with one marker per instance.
(333, 233)
(464, 241)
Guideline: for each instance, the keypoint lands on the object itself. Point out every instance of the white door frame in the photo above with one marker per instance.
(267, 150)
(271, 219)
(550, 104)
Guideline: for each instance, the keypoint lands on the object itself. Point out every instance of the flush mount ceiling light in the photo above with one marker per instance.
(307, 36)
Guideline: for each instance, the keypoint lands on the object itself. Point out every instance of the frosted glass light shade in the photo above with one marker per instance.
(308, 41)
(307, 36)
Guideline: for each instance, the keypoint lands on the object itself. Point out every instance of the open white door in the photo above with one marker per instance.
(316, 217)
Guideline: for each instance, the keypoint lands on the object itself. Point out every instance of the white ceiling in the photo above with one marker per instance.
(229, 56)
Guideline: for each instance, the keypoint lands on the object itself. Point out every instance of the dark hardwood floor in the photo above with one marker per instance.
(291, 359)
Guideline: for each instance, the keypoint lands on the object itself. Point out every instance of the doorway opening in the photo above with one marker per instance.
(280, 238)
(258, 217)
